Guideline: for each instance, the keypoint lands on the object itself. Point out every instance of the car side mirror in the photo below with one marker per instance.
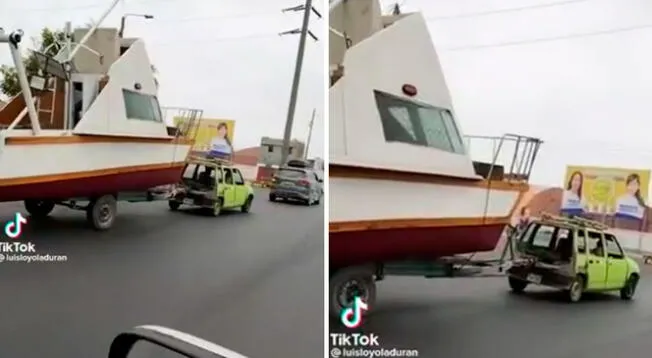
(152, 341)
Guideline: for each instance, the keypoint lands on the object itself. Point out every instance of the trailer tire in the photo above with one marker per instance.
(39, 208)
(517, 285)
(101, 212)
(353, 278)
(174, 205)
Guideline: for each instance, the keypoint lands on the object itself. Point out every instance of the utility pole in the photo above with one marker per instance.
(304, 32)
(312, 122)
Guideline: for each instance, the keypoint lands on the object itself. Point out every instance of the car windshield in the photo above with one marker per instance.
(291, 173)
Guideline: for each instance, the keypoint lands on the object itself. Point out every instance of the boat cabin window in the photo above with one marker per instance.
(420, 124)
(141, 106)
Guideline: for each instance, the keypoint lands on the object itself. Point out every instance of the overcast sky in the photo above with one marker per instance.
(223, 56)
(588, 98)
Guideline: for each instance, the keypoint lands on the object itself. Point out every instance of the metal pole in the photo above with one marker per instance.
(295, 83)
(312, 122)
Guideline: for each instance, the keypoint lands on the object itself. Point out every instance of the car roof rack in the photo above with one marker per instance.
(572, 221)
(210, 160)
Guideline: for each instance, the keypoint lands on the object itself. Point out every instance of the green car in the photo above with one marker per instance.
(214, 185)
(572, 254)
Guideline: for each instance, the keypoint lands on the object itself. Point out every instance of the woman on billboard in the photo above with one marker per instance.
(571, 202)
(631, 204)
(220, 144)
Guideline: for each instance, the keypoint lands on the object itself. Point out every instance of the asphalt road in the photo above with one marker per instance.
(478, 317)
(250, 282)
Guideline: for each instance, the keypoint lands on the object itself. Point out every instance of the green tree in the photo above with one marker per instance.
(49, 43)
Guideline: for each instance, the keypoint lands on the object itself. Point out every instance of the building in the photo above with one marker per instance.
(271, 151)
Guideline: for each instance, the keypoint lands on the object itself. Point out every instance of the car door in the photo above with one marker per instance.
(596, 268)
(241, 190)
(228, 193)
(617, 267)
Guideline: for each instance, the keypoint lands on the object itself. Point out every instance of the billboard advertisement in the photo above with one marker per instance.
(213, 137)
(605, 191)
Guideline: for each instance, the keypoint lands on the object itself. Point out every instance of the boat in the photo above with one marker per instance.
(402, 184)
(90, 125)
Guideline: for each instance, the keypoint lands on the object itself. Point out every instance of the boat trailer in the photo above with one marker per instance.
(348, 282)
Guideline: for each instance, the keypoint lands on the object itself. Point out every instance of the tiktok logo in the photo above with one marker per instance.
(352, 317)
(14, 228)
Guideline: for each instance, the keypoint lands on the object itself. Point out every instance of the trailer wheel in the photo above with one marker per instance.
(39, 208)
(101, 212)
(174, 205)
(347, 283)
(517, 285)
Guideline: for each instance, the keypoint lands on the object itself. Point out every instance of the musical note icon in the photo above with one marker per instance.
(14, 228)
(352, 317)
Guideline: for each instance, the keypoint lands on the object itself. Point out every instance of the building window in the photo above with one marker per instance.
(270, 149)
(141, 106)
(414, 123)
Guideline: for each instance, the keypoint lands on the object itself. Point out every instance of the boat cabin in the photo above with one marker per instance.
(104, 86)
(390, 106)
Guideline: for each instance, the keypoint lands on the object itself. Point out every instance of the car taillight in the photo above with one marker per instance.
(303, 182)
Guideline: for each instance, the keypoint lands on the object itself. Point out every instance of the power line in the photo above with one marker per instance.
(216, 40)
(80, 7)
(550, 39)
(505, 11)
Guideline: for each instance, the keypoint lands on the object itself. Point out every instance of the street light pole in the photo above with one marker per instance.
(312, 123)
(123, 20)
(304, 33)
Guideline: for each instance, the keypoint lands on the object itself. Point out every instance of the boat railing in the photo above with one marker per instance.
(185, 120)
(513, 154)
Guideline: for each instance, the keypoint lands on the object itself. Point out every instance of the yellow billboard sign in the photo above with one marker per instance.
(212, 137)
(608, 191)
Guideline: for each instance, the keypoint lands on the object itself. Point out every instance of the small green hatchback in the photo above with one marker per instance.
(573, 254)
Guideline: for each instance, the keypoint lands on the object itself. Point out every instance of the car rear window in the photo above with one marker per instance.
(291, 173)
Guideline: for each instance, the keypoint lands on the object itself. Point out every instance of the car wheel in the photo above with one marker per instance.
(517, 285)
(576, 289)
(217, 208)
(247, 205)
(272, 197)
(627, 292)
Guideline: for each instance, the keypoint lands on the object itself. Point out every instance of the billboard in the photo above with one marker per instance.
(213, 137)
(605, 191)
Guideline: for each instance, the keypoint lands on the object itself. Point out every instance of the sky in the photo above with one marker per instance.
(587, 97)
(222, 56)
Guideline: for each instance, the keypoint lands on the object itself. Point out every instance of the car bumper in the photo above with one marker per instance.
(290, 194)
(547, 277)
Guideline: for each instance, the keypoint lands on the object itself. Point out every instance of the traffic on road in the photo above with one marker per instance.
(232, 280)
